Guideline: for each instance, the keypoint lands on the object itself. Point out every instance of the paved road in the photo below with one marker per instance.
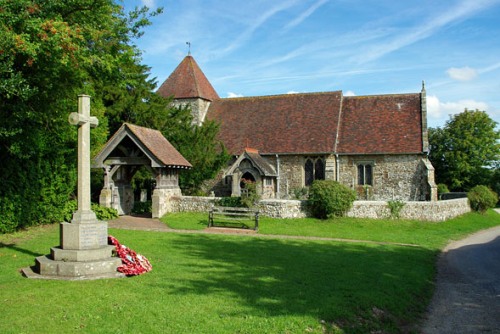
(467, 296)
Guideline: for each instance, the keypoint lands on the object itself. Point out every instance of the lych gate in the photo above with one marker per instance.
(130, 148)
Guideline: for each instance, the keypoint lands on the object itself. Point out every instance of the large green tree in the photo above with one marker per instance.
(198, 144)
(51, 51)
(466, 151)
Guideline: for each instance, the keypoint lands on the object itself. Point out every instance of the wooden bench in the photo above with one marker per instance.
(233, 214)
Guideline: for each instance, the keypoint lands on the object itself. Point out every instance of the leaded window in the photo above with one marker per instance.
(365, 174)
(314, 169)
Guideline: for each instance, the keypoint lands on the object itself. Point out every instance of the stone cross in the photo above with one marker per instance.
(84, 122)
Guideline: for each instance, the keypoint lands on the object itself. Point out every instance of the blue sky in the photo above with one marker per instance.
(362, 47)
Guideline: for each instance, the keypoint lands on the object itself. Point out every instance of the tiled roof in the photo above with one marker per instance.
(292, 123)
(188, 81)
(262, 164)
(151, 142)
(159, 146)
(381, 124)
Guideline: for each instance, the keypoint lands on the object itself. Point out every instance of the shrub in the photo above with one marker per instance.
(301, 193)
(142, 207)
(329, 198)
(101, 212)
(395, 207)
(234, 202)
(442, 189)
(250, 197)
(482, 198)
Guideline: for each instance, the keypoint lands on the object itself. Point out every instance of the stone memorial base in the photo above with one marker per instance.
(83, 254)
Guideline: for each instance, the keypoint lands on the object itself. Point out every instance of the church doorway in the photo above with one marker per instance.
(245, 182)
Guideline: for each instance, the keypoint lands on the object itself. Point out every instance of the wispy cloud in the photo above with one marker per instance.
(305, 14)
(462, 11)
(490, 68)
(256, 23)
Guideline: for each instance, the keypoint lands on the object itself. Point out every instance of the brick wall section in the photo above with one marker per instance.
(427, 211)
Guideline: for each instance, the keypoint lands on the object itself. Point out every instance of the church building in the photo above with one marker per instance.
(375, 144)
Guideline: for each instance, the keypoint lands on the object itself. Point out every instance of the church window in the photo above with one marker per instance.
(365, 174)
(314, 170)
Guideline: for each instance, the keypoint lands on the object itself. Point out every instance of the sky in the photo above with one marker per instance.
(362, 47)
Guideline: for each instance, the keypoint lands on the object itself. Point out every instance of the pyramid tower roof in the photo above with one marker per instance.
(188, 81)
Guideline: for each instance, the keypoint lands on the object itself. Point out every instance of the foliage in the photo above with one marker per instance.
(198, 144)
(250, 197)
(395, 208)
(142, 207)
(442, 189)
(482, 198)
(234, 202)
(301, 193)
(50, 52)
(328, 198)
(101, 212)
(466, 150)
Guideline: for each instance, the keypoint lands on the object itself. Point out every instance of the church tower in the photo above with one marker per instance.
(189, 87)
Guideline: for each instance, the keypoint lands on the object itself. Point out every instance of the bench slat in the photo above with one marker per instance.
(232, 213)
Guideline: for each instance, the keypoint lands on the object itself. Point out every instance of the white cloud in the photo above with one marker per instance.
(462, 74)
(437, 109)
(292, 92)
(349, 93)
(232, 95)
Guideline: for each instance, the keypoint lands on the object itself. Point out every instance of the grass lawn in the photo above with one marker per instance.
(231, 284)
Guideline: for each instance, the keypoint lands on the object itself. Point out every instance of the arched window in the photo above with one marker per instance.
(314, 170)
(309, 172)
(365, 174)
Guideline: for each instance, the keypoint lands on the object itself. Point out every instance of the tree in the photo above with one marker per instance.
(198, 144)
(51, 51)
(466, 151)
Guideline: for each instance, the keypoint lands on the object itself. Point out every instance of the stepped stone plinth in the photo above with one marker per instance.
(83, 252)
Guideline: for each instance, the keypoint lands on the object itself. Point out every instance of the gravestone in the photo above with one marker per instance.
(83, 252)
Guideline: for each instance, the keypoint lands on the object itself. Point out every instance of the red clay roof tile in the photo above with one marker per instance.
(188, 81)
(293, 123)
(381, 124)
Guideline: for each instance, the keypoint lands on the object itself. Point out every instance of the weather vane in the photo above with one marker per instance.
(189, 48)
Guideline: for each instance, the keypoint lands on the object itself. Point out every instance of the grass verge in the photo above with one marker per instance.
(228, 284)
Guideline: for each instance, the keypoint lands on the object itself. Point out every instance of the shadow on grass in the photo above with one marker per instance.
(344, 284)
(19, 249)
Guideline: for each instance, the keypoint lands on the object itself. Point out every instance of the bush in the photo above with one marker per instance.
(442, 189)
(250, 197)
(482, 198)
(142, 207)
(301, 193)
(232, 202)
(329, 198)
(395, 207)
(101, 212)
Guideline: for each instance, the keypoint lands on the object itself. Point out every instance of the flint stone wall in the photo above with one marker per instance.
(434, 211)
